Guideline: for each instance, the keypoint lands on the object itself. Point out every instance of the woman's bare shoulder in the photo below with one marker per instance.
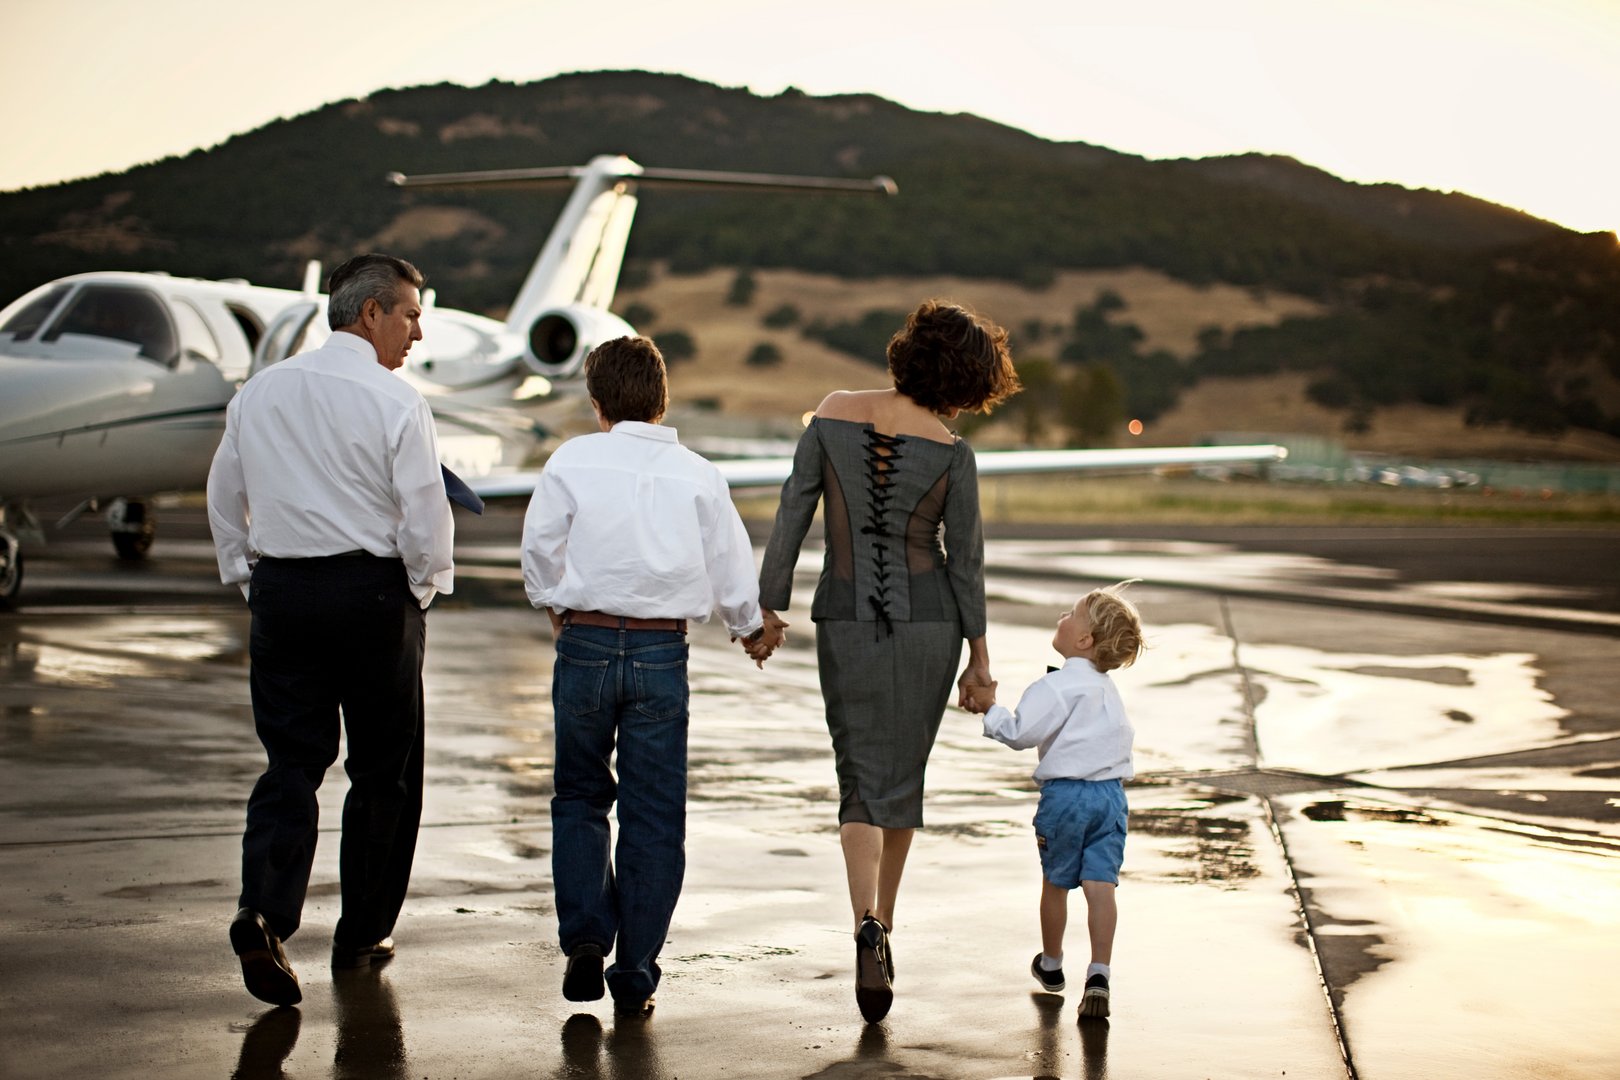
(854, 405)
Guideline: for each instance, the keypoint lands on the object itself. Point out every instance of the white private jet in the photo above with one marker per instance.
(113, 385)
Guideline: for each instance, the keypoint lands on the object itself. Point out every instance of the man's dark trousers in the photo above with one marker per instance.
(329, 634)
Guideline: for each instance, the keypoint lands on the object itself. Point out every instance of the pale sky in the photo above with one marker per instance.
(1515, 101)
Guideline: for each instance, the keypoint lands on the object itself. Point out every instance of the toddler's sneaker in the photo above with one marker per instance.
(1051, 981)
(1095, 1003)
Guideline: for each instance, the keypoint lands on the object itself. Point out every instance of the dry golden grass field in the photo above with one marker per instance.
(753, 401)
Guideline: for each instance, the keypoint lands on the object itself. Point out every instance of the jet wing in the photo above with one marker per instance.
(747, 473)
(1138, 459)
(770, 472)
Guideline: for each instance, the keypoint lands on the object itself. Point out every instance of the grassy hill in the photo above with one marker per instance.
(717, 389)
(1150, 280)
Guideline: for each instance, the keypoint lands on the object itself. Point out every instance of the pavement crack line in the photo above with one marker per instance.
(1301, 910)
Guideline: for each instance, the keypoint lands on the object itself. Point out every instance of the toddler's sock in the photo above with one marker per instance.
(1097, 969)
(1050, 964)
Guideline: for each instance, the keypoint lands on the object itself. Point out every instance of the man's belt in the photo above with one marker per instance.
(621, 622)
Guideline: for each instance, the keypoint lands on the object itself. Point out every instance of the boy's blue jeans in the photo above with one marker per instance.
(626, 687)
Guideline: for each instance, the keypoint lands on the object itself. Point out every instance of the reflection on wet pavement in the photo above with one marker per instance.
(1260, 573)
(1512, 927)
(1451, 832)
(370, 1036)
(267, 1044)
(1326, 713)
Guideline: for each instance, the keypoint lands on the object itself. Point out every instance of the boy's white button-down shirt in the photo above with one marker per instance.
(329, 452)
(630, 522)
(1075, 719)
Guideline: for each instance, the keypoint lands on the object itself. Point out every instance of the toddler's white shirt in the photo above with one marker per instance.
(1075, 719)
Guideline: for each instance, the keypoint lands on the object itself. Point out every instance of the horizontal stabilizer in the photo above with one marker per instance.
(666, 178)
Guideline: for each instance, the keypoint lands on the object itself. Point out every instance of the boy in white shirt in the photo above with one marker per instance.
(1075, 718)
(629, 536)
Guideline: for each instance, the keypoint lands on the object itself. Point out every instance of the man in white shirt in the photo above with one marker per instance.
(328, 508)
(629, 535)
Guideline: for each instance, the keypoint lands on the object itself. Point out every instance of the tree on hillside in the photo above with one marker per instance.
(763, 355)
(1153, 382)
(1096, 340)
(780, 317)
(1034, 402)
(1092, 402)
(741, 293)
(676, 345)
(638, 314)
(866, 338)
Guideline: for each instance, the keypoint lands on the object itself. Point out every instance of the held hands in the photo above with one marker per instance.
(976, 690)
(980, 698)
(766, 640)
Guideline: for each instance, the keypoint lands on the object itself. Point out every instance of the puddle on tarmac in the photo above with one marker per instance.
(1513, 926)
(176, 638)
(1212, 849)
(1188, 562)
(1333, 713)
(1199, 563)
(74, 667)
(101, 653)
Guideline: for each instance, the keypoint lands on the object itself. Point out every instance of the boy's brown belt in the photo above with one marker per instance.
(621, 622)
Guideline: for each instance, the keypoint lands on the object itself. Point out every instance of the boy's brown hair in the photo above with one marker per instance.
(1116, 627)
(627, 379)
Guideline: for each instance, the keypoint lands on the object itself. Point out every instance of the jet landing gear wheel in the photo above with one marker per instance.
(11, 571)
(133, 526)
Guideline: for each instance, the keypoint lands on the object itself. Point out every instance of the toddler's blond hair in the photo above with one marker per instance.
(1116, 627)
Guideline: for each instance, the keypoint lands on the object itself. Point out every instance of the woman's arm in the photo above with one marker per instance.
(977, 672)
(801, 493)
(964, 543)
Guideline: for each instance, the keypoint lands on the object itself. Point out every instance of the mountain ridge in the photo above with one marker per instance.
(1437, 298)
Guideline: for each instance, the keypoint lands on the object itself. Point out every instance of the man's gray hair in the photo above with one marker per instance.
(366, 277)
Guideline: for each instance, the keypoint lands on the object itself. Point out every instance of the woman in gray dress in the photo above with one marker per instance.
(893, 604)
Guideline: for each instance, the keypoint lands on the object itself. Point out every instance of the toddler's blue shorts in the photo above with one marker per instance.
(1080, 831)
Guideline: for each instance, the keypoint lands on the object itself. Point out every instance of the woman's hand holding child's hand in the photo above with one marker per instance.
(978, 697)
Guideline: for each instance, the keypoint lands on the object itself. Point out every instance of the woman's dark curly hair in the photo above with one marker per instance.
(946, 357)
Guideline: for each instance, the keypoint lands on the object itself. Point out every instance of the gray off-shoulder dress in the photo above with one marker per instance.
(902, 585)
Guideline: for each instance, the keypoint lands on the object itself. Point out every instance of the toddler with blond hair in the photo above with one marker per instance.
(1077, 722)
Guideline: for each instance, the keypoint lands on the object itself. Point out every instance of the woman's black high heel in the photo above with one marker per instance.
(874, 980)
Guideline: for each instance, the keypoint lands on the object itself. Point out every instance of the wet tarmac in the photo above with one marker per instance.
(1369, 839)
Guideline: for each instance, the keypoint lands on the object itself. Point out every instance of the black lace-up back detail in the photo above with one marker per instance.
(882, 456)
(901, 523)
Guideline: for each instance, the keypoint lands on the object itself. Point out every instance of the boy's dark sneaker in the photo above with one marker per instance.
(1095, 1003)
(633, 1008)
(1051, 981)
(582, 979)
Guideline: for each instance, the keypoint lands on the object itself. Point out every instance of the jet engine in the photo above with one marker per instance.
(559, 338)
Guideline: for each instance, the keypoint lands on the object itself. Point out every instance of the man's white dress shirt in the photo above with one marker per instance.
(1076, 720)
(630, 522)
(329, 452)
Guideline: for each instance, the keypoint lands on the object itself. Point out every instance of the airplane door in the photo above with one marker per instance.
(294, 331)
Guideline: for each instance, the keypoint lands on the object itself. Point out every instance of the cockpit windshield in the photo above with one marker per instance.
(121, 314)
(27, 320)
